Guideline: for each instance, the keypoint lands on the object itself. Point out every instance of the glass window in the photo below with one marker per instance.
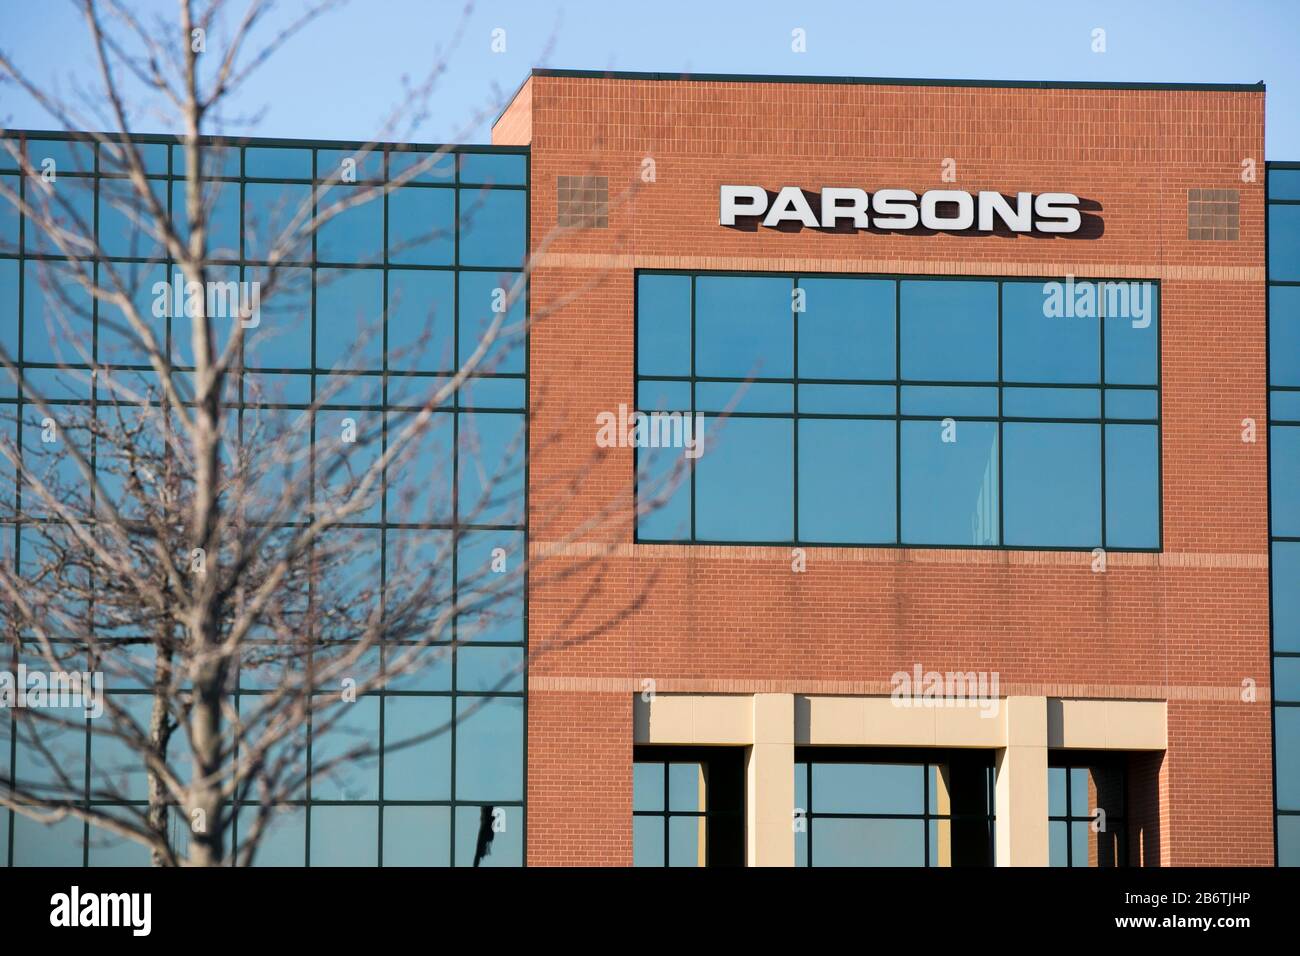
(743, 326)
(349, 314)
(354, 231)
(421, 320)
(221, 200)
(1284, 335)
(1286, 729)
(57, 315)
(1284, 243)
(949, 482)
(127, 227)
(663, 494)
(417, 748)
(422, 226)
(663, 325)
(491, 468)
(420, 167)
(1132, 336)
(70, 210)
(688, 806)
(1052, 484)
(489, 748)
(502, 169)
(485, 296)
(277, 163)
(1132, 486)
(1039, 345)
(492, 224)
(1284, 460)
(847, 329)
(344, 836)
(9, 215)
(1284, 184)
(847, 475)
(277, 216)
(744, 484)
(949, 330)
(1286, 596)
(489, 835)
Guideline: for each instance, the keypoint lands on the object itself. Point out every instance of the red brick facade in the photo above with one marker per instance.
(1187, 625)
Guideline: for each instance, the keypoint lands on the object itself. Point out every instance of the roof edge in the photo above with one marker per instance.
(897, 81)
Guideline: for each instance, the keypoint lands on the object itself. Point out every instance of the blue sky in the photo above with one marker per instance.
(340, 77)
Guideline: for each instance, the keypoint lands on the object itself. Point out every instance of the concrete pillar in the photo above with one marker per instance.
(769, 796)
(1021, 788)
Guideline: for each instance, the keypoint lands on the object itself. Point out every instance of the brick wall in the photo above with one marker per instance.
(1187, 625)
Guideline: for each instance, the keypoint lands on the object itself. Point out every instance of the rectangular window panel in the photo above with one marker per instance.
(1284, 462)
(663, 495)
(848, 399)
(663, 325)
(846, 329)
(743, 326)
(489, 748)
(744, 485)
(222, 204)
(274, 215)
(1052, 484)
(500, 169)
(492, 227)
(948, 400)
(1284, 243)
(354, 231)
(349, 318)
(949, 331)
(1043, 343)
(1284, 335)
(344, 836)
(1132, 403)
(949, 479)
(1285, 568)
(868, 842)
(1132, 486)
(483, 298)
(847, 475)
(422, 226)
(277, 163)
(1132, 336)
(1286, 724)
(1051, 402)
(737, 397)
(417, 836)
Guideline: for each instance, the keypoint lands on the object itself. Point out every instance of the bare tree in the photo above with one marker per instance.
(181, 524)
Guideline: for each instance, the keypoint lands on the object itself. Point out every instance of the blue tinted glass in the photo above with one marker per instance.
(355, 230)
(744, 397)
(127, 226)
(847, 399)
(225, 296)
(1284, 335)
(417, 748)
(422, 226)
(503, 169)
(8, 318)
(1132, 403)
(491, 456)
(1285, 406)
(1052, 484)
(113, 158)
(417, 836)
(663, 396)
(349, 165)
(1051, 402)
(1286, 596)
(1044, 342)
(56, 315)
(489, 836)
(1284, 463)
(115, 769)
(1288, 840)
(847, 481)
(349, 310)
(493, 393)
(484, 296)
(743, 326)
(1132, 335)
(868, 842)
(9, 216)
(282, 336)
(421, 167)
(421, 320)
(847, 329)
(1284, 243)
(352, 730)
(271, 221)
(744, 482)
(72, 210)
(663, 494)
(684, 787)
(647, 786)
(344, 836)
(490, 586)
(949, 330)
(867, 788)
(1286, 735)
(663, 315)
(222, 202)
(1286, 679)
(215, 160)
(277, 163)
(419, 479)
(490, 669)
(68, 156)
(684, 836)
(949, 400)
(949, 488)
(489, 748)
(284, 841)
(1284, 184)
(1132, 486)
(40, 844)
(492, 225)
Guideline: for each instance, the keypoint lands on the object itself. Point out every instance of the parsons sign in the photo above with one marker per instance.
(942, 210)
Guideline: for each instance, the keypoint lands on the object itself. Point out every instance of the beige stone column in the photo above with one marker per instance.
(1021, 789)
(769, 796)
